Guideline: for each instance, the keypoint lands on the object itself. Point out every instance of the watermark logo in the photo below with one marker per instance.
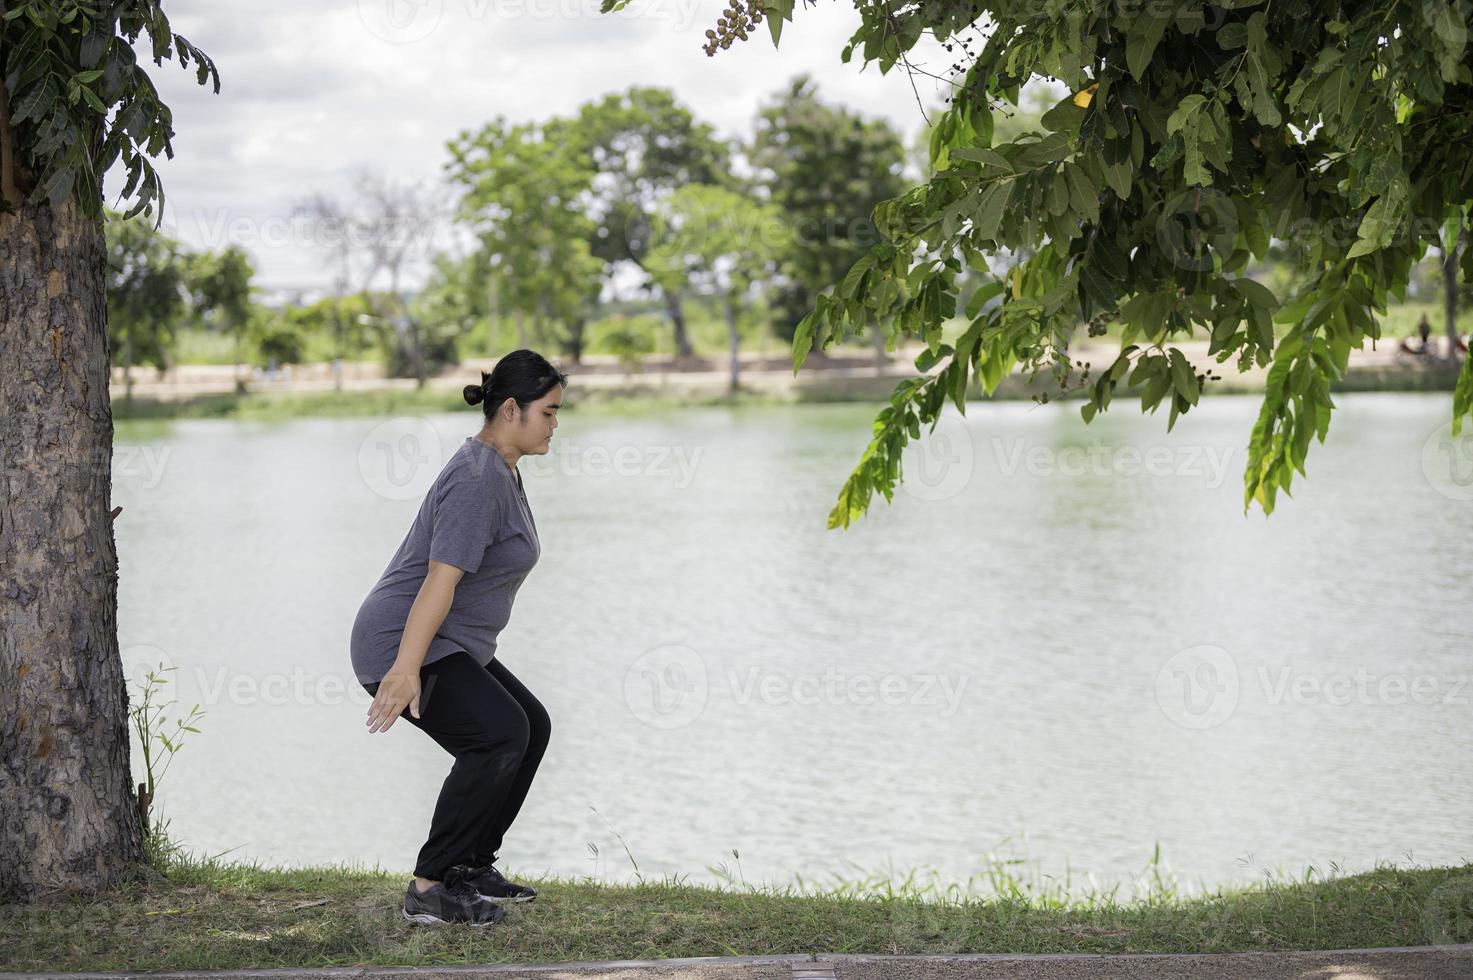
(141, 658)
(1197, 687)
(1197, 229)
(1447, 915)
(400, 457)
(411, 21)
(401, 21)
(1447, 462)
(939, 464)
(142, 463)
(666, 687)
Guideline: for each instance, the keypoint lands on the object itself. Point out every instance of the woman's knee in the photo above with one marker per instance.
(506, 733)
(540, 722)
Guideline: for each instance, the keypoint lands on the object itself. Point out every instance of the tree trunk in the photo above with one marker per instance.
(677, 318)
(68, 814)
(127, 370)
(576, 331)
(877, 339)
(734, 338)
(240, 386)
(419, 356)
(1450, 293)
(337, 332)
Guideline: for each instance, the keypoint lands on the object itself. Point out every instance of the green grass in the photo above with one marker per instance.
(206, 914)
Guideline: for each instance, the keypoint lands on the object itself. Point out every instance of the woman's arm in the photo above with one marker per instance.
(429, 610)
(400, 686)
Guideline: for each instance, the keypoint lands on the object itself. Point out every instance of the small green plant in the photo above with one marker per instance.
(156, 744)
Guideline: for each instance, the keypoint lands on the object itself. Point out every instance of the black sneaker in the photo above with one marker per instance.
(490, 884)
(452, 900)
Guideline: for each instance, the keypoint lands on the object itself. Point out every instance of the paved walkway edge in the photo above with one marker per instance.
(791, 958)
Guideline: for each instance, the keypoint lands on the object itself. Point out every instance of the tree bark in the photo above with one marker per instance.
(68, 814)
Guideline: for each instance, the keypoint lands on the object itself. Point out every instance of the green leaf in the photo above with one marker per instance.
(93, 101)
(1117, 176)
(1084, 198)
(1156, 387)
(855, 277)
(34, 104)
(1256, 293)
(1232, 36)
(928, 358)
(1057, 197)
(1064, 117)
(803, 339)
(1463, 395)
(1181, 117)
(983, 155)
(988, 209)
(1140, 43)
(1182, 376)
(774, 11)
(980, 296)
(56, 189)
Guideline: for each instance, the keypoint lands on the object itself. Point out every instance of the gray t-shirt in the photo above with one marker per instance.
(475, 517)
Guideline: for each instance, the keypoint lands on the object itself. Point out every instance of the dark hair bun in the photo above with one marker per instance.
(474, 395)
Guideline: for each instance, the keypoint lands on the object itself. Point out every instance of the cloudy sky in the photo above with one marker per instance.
(314, 92)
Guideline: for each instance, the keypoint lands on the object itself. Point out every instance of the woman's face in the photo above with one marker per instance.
(533, 436)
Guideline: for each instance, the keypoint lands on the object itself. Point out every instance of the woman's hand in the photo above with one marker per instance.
(399, 687)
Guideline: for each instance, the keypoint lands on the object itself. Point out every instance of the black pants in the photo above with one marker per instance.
(497, 732)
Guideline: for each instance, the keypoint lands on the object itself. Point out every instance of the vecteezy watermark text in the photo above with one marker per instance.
(669, 686)
(1099, 459)
(1200, 687)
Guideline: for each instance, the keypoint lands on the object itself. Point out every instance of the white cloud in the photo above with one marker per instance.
(313, 92)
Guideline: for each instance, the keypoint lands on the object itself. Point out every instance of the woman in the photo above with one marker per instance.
(424, 643)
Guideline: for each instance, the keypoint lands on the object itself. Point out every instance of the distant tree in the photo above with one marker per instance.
(719, 243)
(146, 298)
(278, 337)
(396, 221)
(331, 223)
(644, 146)
(523, 192)
(220, 288)
(826, 168)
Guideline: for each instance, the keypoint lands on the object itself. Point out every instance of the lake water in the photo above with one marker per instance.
(1060, 642)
